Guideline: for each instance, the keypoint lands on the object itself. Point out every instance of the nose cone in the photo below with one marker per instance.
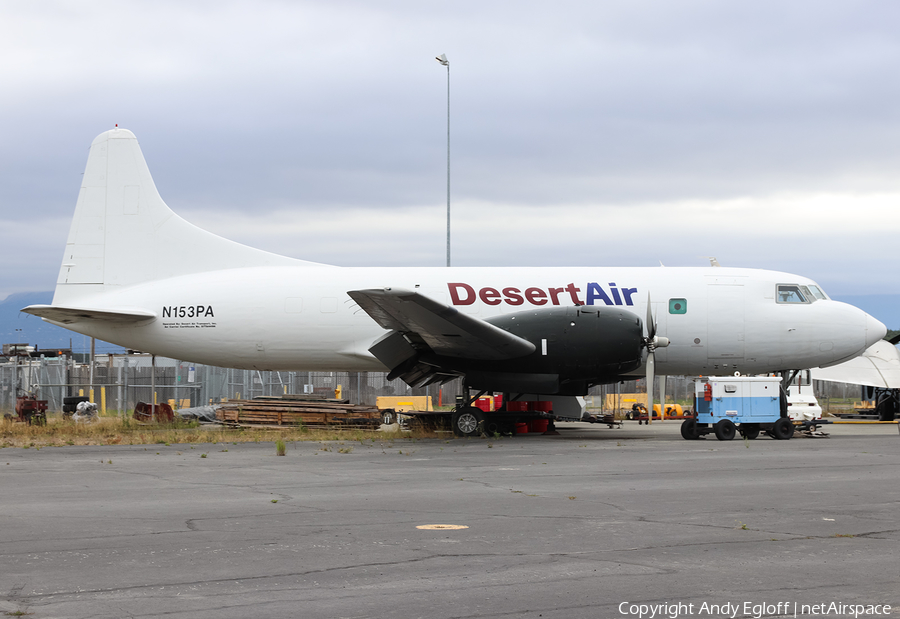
(849, 330)
(875, 330)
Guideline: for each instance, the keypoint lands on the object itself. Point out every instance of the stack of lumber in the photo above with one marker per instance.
(293, 410)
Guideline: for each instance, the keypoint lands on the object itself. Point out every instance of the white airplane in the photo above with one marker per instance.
(136, 274)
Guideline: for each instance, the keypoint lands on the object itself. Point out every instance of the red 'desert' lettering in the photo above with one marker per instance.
(464, 294)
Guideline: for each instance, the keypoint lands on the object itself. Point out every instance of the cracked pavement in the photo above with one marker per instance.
(558, 526)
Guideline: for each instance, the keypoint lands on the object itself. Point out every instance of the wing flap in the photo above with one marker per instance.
(71, 315)
(445, 330)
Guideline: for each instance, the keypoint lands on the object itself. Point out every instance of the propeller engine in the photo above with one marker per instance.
(651, 342)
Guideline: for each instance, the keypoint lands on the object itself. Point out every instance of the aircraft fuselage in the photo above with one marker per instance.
(718, 320)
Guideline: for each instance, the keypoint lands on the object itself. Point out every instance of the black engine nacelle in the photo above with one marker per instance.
(575, 347)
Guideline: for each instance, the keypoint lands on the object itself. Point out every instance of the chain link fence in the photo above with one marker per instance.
(121, 381)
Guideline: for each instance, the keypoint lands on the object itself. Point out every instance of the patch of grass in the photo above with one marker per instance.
(280, 448)
(127, 431)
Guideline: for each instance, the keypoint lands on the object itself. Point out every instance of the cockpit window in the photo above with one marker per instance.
(791, 293)
(804, 290)
(817, 292)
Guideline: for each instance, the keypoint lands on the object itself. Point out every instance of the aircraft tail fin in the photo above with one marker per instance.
(124, 234)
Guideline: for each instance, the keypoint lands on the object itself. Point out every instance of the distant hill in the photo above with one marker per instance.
(19, 328)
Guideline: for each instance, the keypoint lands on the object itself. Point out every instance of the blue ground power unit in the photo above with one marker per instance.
(728, 405)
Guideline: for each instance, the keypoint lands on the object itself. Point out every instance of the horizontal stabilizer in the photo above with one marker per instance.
(444, 329)
(70, 315)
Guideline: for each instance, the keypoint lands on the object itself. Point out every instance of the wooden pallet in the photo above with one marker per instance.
(293, 411)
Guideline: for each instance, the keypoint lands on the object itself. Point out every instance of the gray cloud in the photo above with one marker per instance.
(333, 113)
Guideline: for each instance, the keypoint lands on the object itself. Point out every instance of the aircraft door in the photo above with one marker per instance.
(725, 327)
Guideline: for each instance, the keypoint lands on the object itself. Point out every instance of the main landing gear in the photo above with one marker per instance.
(469, 420)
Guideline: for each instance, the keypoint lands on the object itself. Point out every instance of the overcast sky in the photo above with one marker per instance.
(593, 133)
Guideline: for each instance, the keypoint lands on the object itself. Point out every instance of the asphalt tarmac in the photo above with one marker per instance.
(591, 523)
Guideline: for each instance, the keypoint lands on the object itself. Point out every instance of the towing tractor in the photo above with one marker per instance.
(728, 405)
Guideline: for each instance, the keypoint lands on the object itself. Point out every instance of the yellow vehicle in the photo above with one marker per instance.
(673, 411)
(393, 406)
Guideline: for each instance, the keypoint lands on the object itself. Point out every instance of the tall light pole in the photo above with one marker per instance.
(443, 60)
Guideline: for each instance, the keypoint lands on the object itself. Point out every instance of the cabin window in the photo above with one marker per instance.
(678, 306)
(790, 293)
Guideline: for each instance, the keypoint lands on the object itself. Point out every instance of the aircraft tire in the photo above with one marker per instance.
(724, 430)
(689, 430)
(783, 429)
(749, 430)
(468, 421)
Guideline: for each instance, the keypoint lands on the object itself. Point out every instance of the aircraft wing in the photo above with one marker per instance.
(878, 366)
(445, 330)
(70, 315)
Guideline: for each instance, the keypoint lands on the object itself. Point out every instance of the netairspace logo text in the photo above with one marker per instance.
(752, 610)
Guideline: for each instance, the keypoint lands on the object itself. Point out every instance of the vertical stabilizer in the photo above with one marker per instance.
(124, 234)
